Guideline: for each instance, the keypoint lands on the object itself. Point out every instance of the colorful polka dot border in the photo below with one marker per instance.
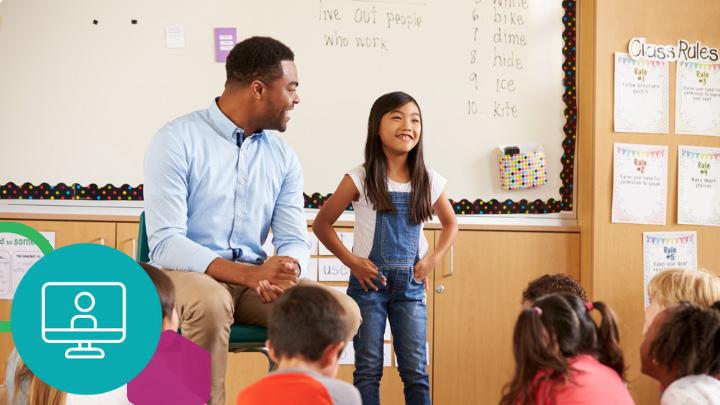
(62, 191)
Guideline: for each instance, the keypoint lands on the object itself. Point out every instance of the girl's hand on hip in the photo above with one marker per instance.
(423, 269)
(366, 272)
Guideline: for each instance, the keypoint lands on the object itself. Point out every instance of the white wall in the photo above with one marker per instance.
(79, 102)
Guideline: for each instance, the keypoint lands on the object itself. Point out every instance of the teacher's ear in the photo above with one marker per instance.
(257, 88)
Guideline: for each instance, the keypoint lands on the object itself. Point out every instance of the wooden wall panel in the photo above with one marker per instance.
(616, 264)
(476, 313)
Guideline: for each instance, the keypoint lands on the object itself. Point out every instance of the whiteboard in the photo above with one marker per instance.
(81, 101)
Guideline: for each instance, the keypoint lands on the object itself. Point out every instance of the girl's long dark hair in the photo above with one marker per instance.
(546, 339)
(376, 163)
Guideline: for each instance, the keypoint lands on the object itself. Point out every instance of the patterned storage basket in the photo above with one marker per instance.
(523, 170)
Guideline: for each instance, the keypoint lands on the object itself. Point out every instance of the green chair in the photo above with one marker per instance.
(243, 338)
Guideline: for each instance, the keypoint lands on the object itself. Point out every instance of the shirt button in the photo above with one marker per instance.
(242, 181)
(240, 214)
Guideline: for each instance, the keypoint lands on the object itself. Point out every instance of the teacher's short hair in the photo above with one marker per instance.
(256, 58)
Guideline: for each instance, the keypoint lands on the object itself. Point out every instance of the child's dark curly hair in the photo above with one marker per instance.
(688, 342)
(553, 284)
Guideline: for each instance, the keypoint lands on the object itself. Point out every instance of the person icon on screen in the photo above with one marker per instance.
(85, 310)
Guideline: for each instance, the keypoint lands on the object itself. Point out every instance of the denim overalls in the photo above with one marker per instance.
(395, 252)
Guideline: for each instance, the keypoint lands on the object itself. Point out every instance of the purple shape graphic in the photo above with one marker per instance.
(225, 40)
(178, 373)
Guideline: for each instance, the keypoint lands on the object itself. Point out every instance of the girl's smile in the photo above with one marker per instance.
(400, 129)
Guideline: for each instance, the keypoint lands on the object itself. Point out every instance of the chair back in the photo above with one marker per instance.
(143, 251)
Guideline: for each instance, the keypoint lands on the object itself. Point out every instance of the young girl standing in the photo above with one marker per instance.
(393, 194)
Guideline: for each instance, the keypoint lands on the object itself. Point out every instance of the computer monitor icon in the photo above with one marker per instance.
(84, 313)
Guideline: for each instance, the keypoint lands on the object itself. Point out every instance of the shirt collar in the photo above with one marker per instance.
(227, 128)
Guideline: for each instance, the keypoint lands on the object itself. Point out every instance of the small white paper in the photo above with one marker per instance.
(226, 37)
(17, 255)
(387, 355)
(667, 250)
(268, 246)
(698, 185)
(387, 337)
(697, 99)
(175, 37)
(332, 269)
(312, 238)
(639, 184)
(641, 95)
(312, 270)
(348, 355)
(226, 47)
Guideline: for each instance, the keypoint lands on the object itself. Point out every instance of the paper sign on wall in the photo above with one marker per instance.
(667, 250)
(641, 95)
(639, 184)
(174, 37)
(225, 40)
(17, 255)
(332, 269)
(698, 188)
(697, 99)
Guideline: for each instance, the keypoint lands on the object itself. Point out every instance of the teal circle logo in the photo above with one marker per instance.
(86, 319)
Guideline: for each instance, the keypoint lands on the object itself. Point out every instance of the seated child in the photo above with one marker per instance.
(562, 356)
(306, 336)
(682, 351)
(22, 387)
(669, 287)
(552, 284)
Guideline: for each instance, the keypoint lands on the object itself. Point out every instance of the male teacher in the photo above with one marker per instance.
(216, 181)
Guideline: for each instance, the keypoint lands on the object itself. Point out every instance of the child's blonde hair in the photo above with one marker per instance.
(669, 287)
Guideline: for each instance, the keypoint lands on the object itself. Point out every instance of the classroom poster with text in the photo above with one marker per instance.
(698, 188)
(17, 255)
(667, 250)
(641, 95)
(697, 99)
(639, 184)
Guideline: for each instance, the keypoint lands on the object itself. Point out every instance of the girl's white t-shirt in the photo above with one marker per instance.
(365, 214)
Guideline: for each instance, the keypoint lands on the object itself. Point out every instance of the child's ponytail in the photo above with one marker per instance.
(609, 351)
(535, 349)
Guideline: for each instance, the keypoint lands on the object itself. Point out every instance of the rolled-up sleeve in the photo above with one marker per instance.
(289, 225)
(166, 210)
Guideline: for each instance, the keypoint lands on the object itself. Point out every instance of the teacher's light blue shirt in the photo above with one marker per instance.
(205, 197)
